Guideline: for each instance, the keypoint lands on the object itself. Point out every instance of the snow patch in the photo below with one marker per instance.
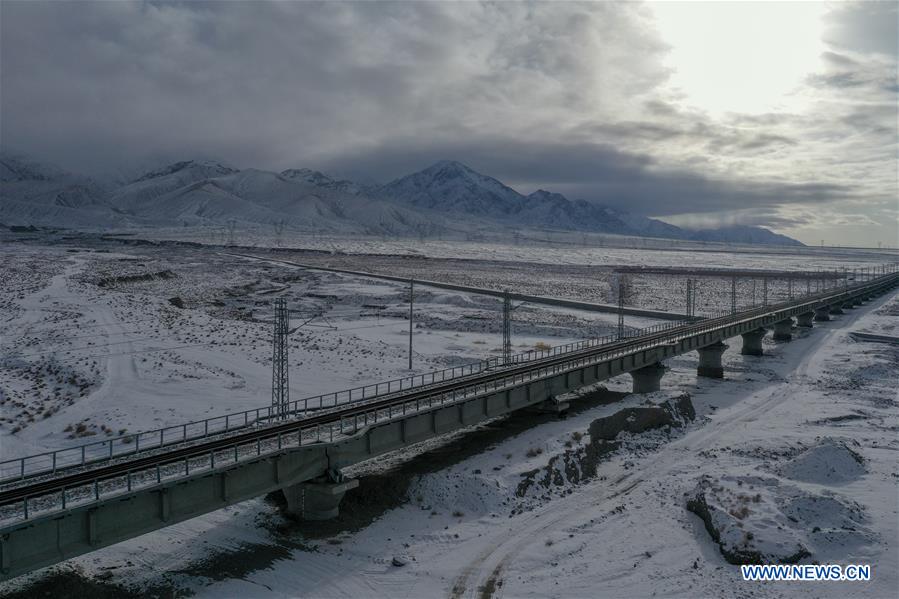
(830, 462)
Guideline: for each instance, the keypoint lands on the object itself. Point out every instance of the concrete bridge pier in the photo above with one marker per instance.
(837, 308)
(649, 378)
(550, 406)
(752, 342)
(805, 320)
(783, 329)
(822, 314)
(710, 360)
(318, 499)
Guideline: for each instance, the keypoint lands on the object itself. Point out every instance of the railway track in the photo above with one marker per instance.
(22, 490)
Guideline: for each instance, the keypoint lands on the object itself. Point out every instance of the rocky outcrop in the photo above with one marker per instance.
(636, 420)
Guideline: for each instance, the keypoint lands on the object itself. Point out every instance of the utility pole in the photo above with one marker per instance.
(620, 308)
(232, 225)
(411, 301)
(790, 287)
(507, 328)
(279, 229)
(733, 295)
(754, 281)
(693, 297)
(764, 291)
(689, 297)
(808, 286)
(280, 387)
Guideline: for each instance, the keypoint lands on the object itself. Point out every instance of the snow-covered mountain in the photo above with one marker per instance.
(36, 193)
(743, 234)
(452, 187)
(444, 197)
(322, 180)
(196, 193)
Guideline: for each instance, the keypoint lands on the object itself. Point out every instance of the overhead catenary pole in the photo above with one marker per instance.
(280, 376)
(693, 297)
(411, 302)
(689, 297)
(733, 295)
(507, 328)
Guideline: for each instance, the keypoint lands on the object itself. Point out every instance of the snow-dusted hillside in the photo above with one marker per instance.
(203, 192)
(35, 193)
(452, 187)
(446, 197)
(743, 234)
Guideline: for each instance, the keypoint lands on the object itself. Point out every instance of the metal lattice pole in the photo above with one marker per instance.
(507, 328)
(280, 388)
(620, 308)
(689, 297)
(411, 301)
(733, 295)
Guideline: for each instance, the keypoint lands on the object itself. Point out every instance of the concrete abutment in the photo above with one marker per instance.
(805, 320)
(822, 314)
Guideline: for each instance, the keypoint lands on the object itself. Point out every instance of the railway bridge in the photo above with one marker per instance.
(60, 504)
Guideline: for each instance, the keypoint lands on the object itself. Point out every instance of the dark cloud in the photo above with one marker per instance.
(594, 172)
(572, 97)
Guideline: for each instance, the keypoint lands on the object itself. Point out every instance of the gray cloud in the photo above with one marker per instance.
(572, 97)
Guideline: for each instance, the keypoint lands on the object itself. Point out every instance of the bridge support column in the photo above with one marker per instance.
(805, 320)
(315, 500)
(837, 308)
(550, 406)
(710, 360)
(822, 314)
(752, 342)
(783, 330)
(648, 379)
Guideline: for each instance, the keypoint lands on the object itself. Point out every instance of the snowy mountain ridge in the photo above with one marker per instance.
(443, 197)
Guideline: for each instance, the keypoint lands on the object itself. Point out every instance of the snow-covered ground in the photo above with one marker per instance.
(92, 345)
(811, 427)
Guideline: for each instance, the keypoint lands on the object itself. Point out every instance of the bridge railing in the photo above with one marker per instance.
(157, 440)
(164, 470)
(130, 444)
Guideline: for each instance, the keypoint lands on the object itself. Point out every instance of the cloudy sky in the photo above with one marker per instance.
(777, 114)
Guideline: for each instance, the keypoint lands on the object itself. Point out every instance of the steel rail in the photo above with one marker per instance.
(549, 366)
(84, 454)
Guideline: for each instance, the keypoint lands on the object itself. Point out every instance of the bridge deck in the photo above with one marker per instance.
(49, 518)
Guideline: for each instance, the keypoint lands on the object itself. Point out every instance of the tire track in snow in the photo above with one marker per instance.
(481, 577)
